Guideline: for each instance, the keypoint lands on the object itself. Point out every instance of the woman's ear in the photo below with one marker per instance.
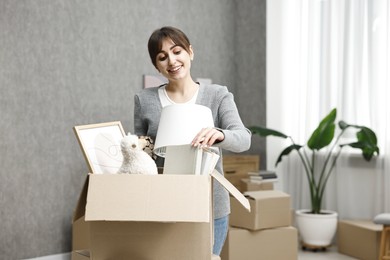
(191, 53)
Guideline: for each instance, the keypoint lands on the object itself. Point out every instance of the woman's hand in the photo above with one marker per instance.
(207, 137)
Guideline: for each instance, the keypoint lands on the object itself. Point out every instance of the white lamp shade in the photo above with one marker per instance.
(179, 124)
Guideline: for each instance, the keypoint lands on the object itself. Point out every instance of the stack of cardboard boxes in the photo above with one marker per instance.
(170, 217)
(263, 233)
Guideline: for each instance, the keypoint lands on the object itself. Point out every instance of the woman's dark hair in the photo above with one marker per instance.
(157, 37)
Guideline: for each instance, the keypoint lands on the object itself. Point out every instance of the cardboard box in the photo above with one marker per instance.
(269, 209)
(273, 244)
(359, 238)
(130, 214)
(249, 185)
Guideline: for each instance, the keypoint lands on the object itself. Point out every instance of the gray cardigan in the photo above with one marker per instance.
(147, 111)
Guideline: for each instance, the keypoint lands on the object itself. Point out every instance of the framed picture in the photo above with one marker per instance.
(154, 81)
(100, 144)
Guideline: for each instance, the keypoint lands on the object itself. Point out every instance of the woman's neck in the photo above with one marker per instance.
(181, 91)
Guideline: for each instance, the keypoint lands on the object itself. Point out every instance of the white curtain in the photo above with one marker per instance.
(324, 54)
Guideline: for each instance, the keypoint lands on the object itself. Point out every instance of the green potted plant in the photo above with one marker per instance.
(317, 172)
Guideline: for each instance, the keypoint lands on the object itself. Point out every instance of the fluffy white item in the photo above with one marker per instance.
(135, 159)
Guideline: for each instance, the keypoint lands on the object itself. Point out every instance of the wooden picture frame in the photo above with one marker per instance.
(100, 144)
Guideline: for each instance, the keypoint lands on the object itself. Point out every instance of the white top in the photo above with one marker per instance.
(165, 100)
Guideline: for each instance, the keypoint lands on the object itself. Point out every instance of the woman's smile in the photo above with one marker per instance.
(175, 69)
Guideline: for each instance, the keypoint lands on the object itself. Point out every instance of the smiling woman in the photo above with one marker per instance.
(171, 53)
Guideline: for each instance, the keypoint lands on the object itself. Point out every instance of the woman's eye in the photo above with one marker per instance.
(162, 58)
(177, 52)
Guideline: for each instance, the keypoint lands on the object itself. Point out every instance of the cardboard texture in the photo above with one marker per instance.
(80, 234)
(236, 168)
(273, 244)
(249, 185)
(150, 240)
(137, 197)
(80, 228)
(130, 214)
(359, 238)
(85, 255)
(80, 255)
(269, 209)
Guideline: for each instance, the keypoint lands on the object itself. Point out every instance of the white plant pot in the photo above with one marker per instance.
(316, 230)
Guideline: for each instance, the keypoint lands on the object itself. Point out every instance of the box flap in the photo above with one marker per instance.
(80, 207)
(231, 189)
(265, 194)
(132, 197)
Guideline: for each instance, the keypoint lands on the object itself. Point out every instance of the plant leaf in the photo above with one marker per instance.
(367, 142)
(286, 151)
(263, 131)
(324, 133)
(367, 135)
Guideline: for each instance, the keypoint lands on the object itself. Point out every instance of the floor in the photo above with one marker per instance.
(329, 254)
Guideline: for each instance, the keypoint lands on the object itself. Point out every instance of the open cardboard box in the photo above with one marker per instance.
(150, 216)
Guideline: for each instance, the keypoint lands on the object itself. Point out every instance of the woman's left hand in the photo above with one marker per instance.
(207, 137)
